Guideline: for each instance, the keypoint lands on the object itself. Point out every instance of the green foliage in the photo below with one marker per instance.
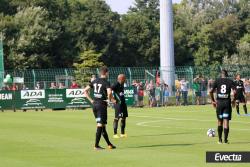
(242, 57)
(141, 34)
(52, 34)
(217, 40)
(88, 60)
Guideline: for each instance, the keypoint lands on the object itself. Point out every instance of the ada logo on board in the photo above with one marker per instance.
(32, 94)
(73, 93)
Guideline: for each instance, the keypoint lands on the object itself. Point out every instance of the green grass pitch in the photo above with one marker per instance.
(157, 137)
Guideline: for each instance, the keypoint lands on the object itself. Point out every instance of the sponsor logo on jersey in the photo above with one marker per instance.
(223, 96)
(97, 95)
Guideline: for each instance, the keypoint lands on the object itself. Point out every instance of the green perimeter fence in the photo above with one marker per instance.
(141, 74)
(30, 77)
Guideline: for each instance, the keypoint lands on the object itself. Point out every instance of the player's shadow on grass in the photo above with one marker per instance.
(161, 145)
(163, 134)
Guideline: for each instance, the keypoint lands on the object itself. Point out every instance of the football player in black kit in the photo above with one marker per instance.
(102, 95)
(223, 103)
(240, 94)
(121, 111)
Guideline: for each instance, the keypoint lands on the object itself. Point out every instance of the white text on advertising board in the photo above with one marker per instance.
(5, 96)
(73, 93)
(32, 94)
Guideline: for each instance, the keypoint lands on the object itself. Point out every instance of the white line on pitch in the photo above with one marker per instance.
(177, 119)
(183, 119)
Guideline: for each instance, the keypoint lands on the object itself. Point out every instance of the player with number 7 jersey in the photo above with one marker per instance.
(223, 87)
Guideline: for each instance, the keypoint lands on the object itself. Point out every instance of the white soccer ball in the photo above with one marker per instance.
(211, 133)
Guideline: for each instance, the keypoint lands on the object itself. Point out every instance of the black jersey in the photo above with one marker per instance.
(239, 84)
(100, 87)
(118, 89)
(223, 87)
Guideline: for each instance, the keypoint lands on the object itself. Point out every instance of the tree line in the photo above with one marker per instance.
(84, 33)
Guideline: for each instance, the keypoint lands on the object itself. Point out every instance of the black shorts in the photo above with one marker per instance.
(121, 111)
(224, 109)
(100, 112)
(240, 98)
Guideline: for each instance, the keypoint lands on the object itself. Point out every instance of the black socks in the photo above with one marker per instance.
(105, 135)
(123, 125)
(226, 132)
(245, 108)
(115, 126)
(98, 136)
(220, 130)
(237, 108)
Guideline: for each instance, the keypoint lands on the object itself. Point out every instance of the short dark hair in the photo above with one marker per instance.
(103, 70)
(224, 72)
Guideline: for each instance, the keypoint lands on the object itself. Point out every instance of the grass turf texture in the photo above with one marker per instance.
(157, 137)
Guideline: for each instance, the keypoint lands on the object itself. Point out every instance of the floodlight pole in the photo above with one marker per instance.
(167, 44)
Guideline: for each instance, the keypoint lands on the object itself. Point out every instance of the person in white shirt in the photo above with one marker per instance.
(184, 91)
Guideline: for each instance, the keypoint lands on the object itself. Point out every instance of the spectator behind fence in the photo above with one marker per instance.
(61, 86)
(247, 89)
(74, 85)
(204, 85)
(24, 87)
(152, 94)
(14, 87)
(6, 87)
(147, 89)
(38, 86)
(197, 89)
(140, 94)
(52, 85)
(165, 94)
(93, 77)
(178, 96)
(177, 92)
(135, 88)
(210, 84)
(184, 91)
(158, 94)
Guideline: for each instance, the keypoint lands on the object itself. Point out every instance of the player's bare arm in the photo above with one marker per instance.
(110, 96)
(86, 93)
(211, 93)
